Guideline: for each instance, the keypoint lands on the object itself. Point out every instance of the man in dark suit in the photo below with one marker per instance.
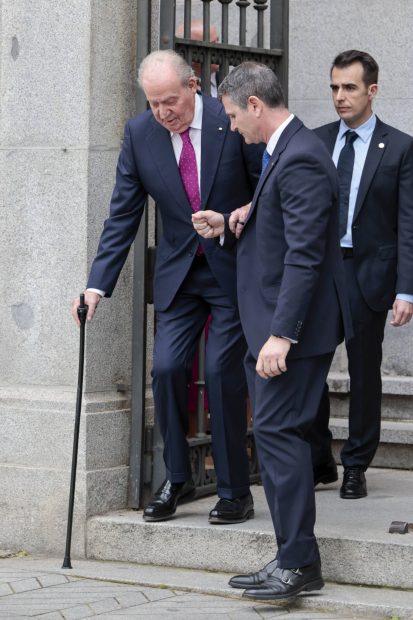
(376, 219)
(292, 306)
(183, 154)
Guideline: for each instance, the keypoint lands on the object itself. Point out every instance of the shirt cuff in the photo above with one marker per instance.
(404, 297)
(287, 338)
(96, 290)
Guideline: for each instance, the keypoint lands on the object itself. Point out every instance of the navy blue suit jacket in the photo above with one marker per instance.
(147, 165)
(382, 228)
(290, 271)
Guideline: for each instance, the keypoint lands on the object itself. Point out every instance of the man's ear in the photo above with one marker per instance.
(372, 90)
(255, 104)
(193, 83)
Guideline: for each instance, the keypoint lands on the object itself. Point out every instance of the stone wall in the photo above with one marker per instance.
(67, 80)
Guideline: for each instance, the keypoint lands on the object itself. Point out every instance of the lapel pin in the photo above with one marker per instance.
(219, 128)
(381, 145)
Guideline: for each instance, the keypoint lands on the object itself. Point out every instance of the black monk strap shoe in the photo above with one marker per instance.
(167, 497)
(233, 510)
(288, 582)
(255, 579)
(326, 472)
(354, 483)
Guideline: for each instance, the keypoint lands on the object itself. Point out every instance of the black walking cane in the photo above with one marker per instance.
(81, 313)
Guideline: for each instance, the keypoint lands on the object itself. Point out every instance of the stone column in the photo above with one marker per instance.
(67, 80)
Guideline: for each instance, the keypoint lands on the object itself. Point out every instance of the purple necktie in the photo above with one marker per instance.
(188, 171)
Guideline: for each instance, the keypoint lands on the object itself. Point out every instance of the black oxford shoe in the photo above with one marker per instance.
(233, 510)
(326, 472)
(255, 579)
(354, 483)
(287, 583)
(167, 497)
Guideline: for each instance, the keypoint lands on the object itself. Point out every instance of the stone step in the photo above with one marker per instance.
(355, 545)
(396, 442)
(396, 402)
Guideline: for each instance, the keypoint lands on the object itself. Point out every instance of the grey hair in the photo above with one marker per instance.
(155, 61)
(252, 79)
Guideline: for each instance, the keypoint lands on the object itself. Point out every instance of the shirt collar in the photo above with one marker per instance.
(196, 122)
(364, 132)
(272, 142)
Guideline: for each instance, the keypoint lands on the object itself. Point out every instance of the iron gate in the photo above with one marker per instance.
(256, 31)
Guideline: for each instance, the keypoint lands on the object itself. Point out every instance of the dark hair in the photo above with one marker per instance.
(370, 66)
(252, 79)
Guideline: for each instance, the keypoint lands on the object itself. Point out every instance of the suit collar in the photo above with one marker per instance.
(332, 130)
(378, 144)
(281, 145)
(215, 126)
(282, 142)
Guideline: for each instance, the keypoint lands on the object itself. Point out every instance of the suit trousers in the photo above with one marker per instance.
(284, 407)
(364, 352)
(178, 329)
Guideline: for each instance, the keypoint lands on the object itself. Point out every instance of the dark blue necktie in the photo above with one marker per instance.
(265, 159)
(345, 167)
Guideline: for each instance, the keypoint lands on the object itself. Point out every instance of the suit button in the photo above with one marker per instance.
(355, 227)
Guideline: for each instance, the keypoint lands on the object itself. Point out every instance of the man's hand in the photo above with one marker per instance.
(402, 312)
(237, 220)
(208, 224)
(91, 299)
(271, 359)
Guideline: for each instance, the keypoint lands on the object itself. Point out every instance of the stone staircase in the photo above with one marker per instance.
(369, 571)
(396, 442)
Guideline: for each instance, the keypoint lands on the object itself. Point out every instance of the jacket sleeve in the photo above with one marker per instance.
(119, 231)
(307, 197)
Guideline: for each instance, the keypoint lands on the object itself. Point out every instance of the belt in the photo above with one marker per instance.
(347, 252)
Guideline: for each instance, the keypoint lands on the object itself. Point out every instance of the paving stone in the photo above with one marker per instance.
(78, 612)
(53, 615)
(245, 614)
(51, 580)
(157, 594)
(24, 585)
(14, 575)
(267, 612)
(5, 589)
(105, 605)
(131, 598)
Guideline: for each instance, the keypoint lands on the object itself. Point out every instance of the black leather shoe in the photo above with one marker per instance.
(288, 582)
(233, 510)
(255, 579)
(166, 498)
(326, 472)
(354, 483)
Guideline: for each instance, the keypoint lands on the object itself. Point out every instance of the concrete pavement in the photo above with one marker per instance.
(39, 588)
